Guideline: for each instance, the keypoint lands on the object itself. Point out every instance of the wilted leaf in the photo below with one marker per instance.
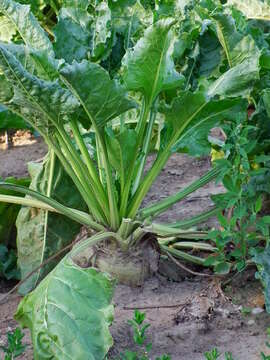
(41, 233)
(69, 314)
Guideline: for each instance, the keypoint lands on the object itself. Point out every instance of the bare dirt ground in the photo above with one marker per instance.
(187, 317)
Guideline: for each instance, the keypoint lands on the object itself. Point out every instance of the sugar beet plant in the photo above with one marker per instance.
(96, 89)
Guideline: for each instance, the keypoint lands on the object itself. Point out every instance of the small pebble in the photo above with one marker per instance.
(257, 311)
(251, 322)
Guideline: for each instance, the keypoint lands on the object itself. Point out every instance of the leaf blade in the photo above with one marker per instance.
(71, 309)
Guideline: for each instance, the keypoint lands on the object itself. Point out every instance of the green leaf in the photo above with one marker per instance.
(101, 29)
(212, 260)
(42, 103)
(103, 99)
(73, 34)
(222, 268)
(149, 67)
(8, 120)
(195, 139)
(210, 57)
(69, 314)
(258, 204)
(168, 8)
(238, 81)
(42, 233)
(121, 151)
(237, 47)
(26, 24)
(130, 19)
(36, 62)
(197, 101)
(227, 35)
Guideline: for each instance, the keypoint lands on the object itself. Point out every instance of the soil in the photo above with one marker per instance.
(187, 317)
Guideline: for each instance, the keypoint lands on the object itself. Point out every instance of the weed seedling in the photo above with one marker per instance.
(139, 328)
(214, 355)
(14, 346)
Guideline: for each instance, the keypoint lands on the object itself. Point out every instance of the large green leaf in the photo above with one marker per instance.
(69, 314)
(193, 122)
(195, 139)
(210, 58)
(26, 24)
(237, 47)
(36, 62)
(130, 19)
(73, 34)
(41, 233)
(179, 114)
(238, 81)
(149, 67)
(102, 98)
(252, 9)
(227, 35)
(83, 31)
(40, 102)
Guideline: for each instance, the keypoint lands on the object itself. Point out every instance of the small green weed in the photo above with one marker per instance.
(139, 328)
(14, 346)
(214, 355)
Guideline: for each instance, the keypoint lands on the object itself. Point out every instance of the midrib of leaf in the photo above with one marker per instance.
(48, 193)
(225, 44)
(95, 29)
(129, 28)
(176, 136)
(158, 71)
